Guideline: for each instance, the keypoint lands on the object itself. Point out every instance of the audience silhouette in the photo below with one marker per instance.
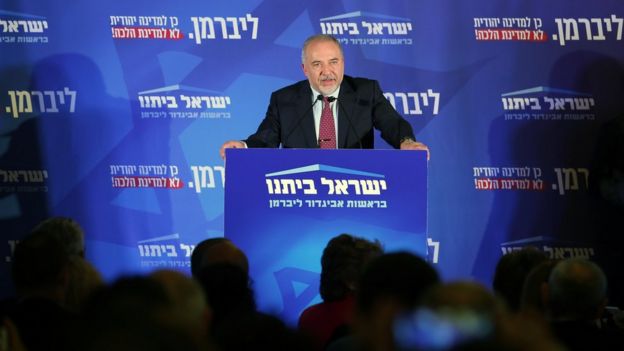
(342, 263)
(371, 302)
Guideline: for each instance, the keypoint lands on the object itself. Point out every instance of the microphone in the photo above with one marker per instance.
(331, 99)
(319, 97)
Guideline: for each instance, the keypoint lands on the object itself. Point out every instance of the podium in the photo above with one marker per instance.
(282, 206)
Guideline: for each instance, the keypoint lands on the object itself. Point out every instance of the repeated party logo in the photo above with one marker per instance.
(22, 28)
(165, 251)
(367, 28)
(183, 102)
(555, 249)
(321, 185)
(548, 104)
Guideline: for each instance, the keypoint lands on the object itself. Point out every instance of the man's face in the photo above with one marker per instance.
(324, 66)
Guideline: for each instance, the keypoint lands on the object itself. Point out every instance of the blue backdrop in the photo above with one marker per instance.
(113, 112)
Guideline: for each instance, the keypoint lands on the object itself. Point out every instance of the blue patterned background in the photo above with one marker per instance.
(89, 128)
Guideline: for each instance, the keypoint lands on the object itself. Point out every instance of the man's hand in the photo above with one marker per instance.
(233, 144)
(411, 144)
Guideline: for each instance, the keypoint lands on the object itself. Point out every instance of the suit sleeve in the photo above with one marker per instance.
(269, 130)
(388, 121)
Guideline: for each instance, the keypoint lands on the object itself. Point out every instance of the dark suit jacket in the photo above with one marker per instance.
(289, 120)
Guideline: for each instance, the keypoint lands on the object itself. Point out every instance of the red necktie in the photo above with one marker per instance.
(327, 128)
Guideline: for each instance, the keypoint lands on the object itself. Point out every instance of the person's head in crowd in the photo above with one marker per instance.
(217, 250)
(451, 316)
(342, 263)
(42, 260)
(227, 290)
(44, 274)
(577, 290)
(84, 279)
(135, 314)
(535, 287)
(463, 316)
(67, 231)
(188, 298)
(390, 285)
(465, 296)
(258, 331)
(236, 325)
(511, 271)
(129, 298)
(41, 267)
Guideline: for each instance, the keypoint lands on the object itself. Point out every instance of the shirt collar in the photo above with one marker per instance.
(316, 93)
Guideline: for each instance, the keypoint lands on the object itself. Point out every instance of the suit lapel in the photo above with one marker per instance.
(346, 99)
(304, 101)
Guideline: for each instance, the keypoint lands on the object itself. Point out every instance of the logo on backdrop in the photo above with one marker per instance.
(22, 28)
(555, 249)
(530, 179)
(323, 186)
(415, 103)
(548, 104)
(530, 29)
(165, 251)
(367, 28)
(23, 180)
(183, 102)
(35, 101)
(166, 28)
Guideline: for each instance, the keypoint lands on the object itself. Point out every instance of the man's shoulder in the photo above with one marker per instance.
(294, 88)
(355, 83)
(358, 80)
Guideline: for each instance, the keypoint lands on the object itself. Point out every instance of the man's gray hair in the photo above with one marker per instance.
(319, 37)
(67, 231)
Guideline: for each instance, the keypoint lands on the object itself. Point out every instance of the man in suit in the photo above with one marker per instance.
(357, 105)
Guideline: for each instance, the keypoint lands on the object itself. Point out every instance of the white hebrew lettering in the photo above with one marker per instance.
(341, 187)
(204, 27)
(436, 249)
(311, 190)
(170, 250)
(329, 183)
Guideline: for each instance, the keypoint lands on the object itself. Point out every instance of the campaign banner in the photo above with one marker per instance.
(282, 206)
(118, 124)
